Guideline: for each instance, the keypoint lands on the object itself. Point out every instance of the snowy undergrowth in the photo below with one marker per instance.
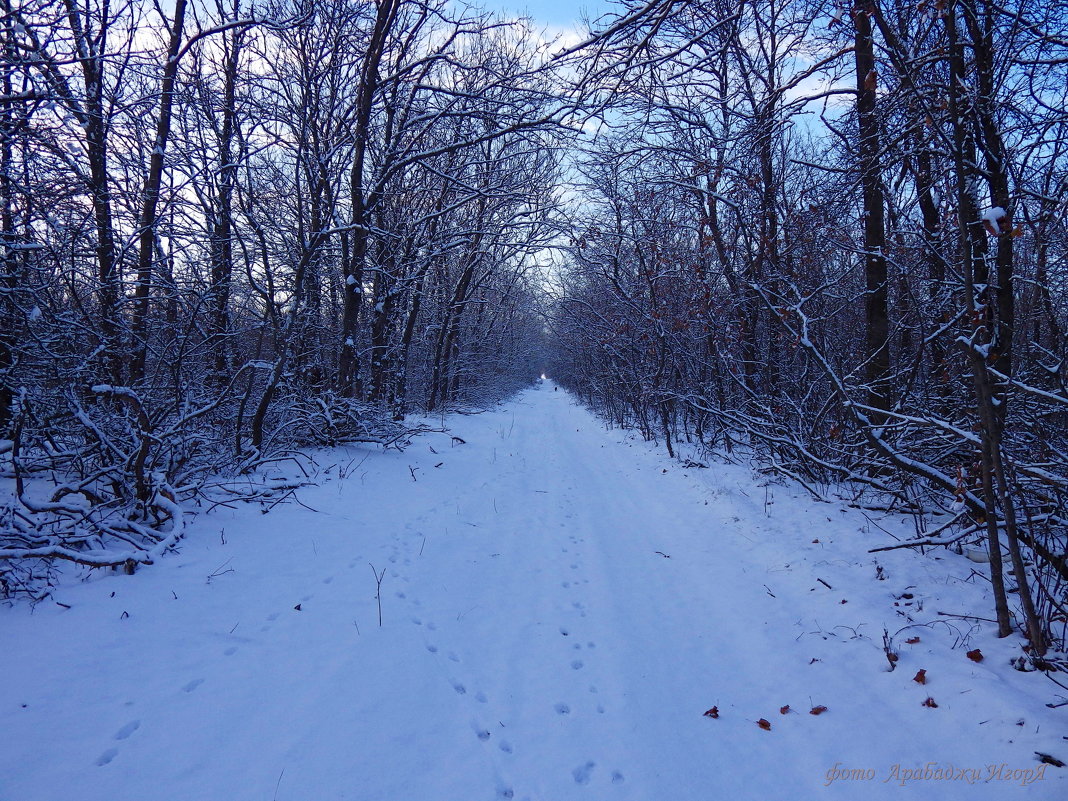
(560, 606)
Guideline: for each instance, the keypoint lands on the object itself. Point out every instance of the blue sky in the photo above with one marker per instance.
(561, 13)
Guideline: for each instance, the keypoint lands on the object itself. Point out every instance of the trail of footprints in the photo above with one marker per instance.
(128, 730)
(582, 774)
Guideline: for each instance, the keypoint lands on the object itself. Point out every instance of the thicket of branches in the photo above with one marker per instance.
(832, 236)
(230, 229)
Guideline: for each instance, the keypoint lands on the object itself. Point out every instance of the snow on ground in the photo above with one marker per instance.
(560, 605)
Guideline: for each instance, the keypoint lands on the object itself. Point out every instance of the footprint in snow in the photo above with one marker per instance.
(432, 648)
(417, 621)
(481, 698)
(562, 709)
(431, 626)
(328, 579)
(583, 773)
(617, 777)
(565, 584)
(505, 746)
(192, 685)
(127, 730)
(460, 689)
(400, 595)
(576, 664)
(107, 756)
(564, 631)
(453, 657)
(230, 651)
(504, 791)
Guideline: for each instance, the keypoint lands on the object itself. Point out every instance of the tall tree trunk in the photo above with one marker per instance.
(876, 314)
(972, 248)
(150, 198)
(362, 206)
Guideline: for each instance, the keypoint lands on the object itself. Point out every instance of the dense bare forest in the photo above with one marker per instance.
(231, 230)
(828, 237)
(831, 237)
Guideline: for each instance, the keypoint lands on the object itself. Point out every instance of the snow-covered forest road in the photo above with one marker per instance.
(560, 605)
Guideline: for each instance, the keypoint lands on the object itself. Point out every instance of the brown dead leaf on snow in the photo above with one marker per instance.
(764, 724)
(912, 640)
(784, 710)
(817, 710)
(975, 656)
(712, 713)
(931, 703)
(920, 677)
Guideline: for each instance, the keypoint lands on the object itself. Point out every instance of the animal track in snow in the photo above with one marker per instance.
(562, 709)
(460, 689)
(505, 746)
(576, 664)
(453, 657)
(230, 651)
(481, 698)
(583, 773)
(192, 685)
(107, 756)
(127, 730)
(432, 648)
(617, 777)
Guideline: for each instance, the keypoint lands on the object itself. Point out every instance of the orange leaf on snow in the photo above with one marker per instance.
(764, 724)
(783, 710)
(912, 640)
(920, 677)
(817, 710)
(975, 656)
(712, 713)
